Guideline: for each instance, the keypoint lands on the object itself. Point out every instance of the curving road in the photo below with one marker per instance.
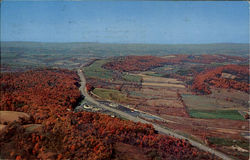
(137, 119)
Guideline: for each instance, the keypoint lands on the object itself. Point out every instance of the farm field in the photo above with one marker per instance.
(95, 70)
(216, 114)
(110, 94)
(241, 98)
(203, 129)
(154, 79)
(163, 85)
(204, 102)
(169, 93)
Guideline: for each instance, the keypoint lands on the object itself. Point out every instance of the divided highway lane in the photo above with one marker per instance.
(136, 119)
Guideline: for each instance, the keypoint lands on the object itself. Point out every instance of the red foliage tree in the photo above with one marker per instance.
(89, 87)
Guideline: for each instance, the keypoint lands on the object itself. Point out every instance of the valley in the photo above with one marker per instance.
(124, 80)
(200, 99)
(170, 94)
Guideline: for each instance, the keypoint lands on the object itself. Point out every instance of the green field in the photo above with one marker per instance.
(96, 70)
(229, 142)
(166, 69)
(216, 114)
(110, 94)
(131, 78)
(155, 74)
(141, 94)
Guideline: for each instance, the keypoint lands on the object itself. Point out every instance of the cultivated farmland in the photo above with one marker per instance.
(165, 87)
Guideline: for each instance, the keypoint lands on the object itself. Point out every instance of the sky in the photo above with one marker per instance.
(159, 22)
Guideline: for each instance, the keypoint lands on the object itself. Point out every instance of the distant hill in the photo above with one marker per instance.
(109, 49)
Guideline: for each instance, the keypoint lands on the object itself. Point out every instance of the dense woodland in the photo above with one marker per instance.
(238, 79)
(32, 91)
(49, 97)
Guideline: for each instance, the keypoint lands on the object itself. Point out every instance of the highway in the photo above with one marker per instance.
(137, 119)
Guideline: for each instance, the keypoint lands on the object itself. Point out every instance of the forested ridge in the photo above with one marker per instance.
(237, 79)
(144, 63)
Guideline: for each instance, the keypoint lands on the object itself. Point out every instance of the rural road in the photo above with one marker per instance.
(136, 119)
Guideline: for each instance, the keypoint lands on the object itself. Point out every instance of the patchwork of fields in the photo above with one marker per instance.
(166, 92)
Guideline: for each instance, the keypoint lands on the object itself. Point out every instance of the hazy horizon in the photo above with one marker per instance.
(140, 22)
(127, 43)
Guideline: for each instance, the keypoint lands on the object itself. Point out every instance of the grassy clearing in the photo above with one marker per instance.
(216, 114)
(110, 94)
(155, 74)
(166, 69)
(164, 85)
(96, 70)
(229, 142)
(153, 79)
(141, 94)
(131, 78)
(240, 98)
